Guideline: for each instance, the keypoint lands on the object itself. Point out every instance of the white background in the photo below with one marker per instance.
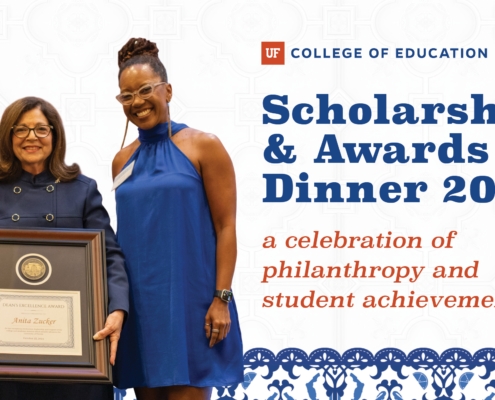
(66, 52)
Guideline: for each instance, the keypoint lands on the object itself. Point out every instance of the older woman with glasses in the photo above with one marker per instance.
(38, 190)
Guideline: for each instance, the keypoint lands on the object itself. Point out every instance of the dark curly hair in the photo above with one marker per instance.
(141, 51)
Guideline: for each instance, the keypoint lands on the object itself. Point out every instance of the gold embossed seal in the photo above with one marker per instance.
(33, 268)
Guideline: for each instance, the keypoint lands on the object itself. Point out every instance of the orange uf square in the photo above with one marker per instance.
(272, 53)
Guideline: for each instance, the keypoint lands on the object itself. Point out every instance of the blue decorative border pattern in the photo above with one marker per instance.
(357, 374)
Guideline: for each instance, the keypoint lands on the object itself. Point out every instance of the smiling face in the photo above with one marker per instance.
(32, 151)
(152, 111)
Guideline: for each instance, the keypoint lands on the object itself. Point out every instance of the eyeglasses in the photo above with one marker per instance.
(144, 92)
(40, 131)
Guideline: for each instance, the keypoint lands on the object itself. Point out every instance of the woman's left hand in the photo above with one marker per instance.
(217, 321)
(113, 327)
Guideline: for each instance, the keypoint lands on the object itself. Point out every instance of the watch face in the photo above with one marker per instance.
(226, 295)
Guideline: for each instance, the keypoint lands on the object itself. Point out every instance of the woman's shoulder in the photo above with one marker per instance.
(199, 146)
(80, 184)
(122, 157)
(83, 179)
(82, 187)
(200, 140)
(195, 134)
(80, 179)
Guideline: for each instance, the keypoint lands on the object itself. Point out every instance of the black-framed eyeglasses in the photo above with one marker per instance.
(23, 131)
(144, 92)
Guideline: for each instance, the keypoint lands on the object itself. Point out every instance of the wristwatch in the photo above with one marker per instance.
(225, 295)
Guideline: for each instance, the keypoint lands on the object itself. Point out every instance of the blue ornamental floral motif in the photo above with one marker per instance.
(357, 374)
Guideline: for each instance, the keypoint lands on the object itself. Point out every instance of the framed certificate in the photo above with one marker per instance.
(53, 299)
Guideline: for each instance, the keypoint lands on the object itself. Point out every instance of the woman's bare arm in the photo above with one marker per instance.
(218, 175)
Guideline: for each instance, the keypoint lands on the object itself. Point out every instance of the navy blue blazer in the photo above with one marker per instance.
(38, 202)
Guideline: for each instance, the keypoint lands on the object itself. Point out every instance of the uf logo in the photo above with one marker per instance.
(272, 53)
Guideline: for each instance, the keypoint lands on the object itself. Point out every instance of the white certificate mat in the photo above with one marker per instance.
(44, 322)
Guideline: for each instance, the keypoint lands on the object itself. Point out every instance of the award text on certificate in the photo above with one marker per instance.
(40, 322)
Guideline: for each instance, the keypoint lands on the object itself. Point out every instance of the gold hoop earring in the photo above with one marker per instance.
(125, 134)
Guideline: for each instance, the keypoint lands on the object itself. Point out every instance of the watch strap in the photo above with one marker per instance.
(224, 295)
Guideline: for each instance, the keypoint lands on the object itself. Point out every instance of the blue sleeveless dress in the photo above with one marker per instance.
(167, 235)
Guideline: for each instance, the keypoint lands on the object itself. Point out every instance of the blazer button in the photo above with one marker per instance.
(15, 217)
(50, 188)
(17, 190)
(50, 217)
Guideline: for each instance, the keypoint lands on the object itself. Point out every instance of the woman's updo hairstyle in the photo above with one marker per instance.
(141, 51)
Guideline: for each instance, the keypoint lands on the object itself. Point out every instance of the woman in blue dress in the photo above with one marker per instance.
(176, 206)
(39, 190)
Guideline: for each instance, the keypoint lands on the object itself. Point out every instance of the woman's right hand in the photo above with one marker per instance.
(113, 327)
